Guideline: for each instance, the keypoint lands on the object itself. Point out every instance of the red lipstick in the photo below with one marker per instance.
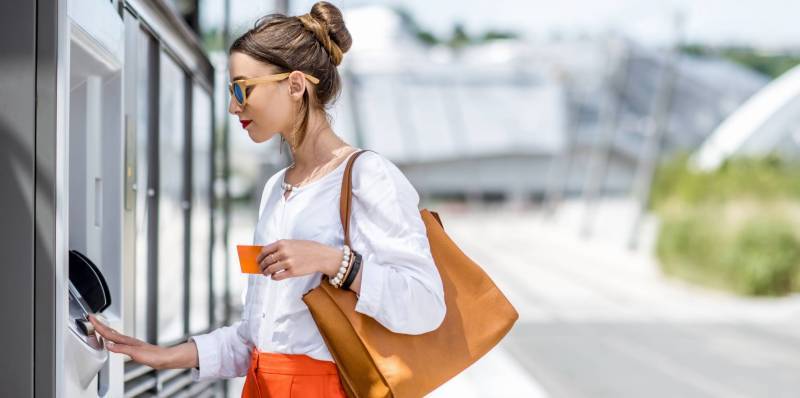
(245, 123)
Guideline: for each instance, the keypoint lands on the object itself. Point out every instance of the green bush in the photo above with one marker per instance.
(769, 64)
(764, 258)
(733, 228)
(761, 178)
(685, 249)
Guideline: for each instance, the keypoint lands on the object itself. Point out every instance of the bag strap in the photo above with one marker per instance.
(347, 194)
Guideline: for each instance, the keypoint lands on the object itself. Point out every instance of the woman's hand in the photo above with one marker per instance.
(288, 258)
(180, 356)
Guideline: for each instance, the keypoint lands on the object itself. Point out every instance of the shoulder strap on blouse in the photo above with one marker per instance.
(346, 195)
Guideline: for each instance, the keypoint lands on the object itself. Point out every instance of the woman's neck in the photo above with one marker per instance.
(319, 146)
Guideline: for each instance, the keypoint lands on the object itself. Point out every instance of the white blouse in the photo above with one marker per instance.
(400, 285)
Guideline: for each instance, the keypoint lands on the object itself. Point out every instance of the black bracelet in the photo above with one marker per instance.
(353, 271)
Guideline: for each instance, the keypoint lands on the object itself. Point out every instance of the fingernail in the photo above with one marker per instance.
(110, 343)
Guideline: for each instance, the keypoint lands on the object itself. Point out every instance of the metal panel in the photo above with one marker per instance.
(48, 291)
(17, 176)
(152, 192)
(187, 201)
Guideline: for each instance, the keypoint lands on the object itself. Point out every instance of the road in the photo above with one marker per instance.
(597, 320)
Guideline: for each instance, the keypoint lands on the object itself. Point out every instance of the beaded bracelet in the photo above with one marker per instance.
(349, 269)
(339, 278)
(353, 271)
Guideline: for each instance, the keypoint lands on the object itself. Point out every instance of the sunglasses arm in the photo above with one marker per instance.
(275, 78)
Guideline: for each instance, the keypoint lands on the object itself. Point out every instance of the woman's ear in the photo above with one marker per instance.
(297, 85)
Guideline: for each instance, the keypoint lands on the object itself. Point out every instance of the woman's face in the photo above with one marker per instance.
(269, 108)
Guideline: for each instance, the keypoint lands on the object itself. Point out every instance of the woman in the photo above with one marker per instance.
(284, 77)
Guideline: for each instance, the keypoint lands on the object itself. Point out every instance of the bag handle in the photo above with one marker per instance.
(347, 194)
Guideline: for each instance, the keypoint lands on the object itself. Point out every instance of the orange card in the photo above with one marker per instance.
(247, 258)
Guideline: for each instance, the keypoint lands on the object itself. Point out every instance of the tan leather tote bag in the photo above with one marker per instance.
(375, 362)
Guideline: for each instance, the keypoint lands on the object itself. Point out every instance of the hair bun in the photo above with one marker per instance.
(326, 22)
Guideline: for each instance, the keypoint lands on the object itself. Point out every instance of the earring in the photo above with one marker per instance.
(281, 144)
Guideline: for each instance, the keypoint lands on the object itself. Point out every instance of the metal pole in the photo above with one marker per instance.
(351, 90)
(558, 178)
(226, 172)
(657, 130)
(226, 199)
(601, 153)
(282, 6)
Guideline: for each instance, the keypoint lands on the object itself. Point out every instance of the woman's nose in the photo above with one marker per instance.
(233, 107)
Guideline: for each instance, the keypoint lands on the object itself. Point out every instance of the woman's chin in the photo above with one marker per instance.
(259, 137)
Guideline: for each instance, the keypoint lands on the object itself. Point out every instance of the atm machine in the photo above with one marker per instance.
(80, 78)
(88, 294)
(95, 149)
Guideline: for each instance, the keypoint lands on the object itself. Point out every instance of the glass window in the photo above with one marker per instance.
(220, 258)
(201, 211)
(143, 125)
(220, 252)
(171, 287)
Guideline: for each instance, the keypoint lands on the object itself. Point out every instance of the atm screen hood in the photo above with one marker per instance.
(87, 279)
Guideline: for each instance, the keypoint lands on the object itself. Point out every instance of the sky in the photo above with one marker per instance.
(762, 23)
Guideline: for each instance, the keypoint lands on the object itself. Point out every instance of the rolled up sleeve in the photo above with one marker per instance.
(222, 353)
(400, 285)
(225, 352)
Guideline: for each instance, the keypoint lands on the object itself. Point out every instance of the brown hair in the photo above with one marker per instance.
(313, 43)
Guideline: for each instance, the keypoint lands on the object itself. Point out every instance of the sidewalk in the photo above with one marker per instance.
(597, 320)
(553, 274)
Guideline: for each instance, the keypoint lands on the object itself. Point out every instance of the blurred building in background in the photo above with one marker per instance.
(502, 119)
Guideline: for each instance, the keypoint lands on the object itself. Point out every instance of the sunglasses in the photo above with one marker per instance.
(238, 88)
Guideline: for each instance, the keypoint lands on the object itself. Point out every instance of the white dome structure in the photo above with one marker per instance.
(761, 125)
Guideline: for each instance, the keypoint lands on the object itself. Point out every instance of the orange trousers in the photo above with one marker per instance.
(273, 375)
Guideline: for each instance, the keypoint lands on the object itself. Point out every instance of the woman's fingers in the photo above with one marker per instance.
(266, 258)
(102, 329)
(286, 273)
(271, 259)
(271, 248)
(139, 351)
(111, 334)
(146, 355)
(119, 348)
(275, 267)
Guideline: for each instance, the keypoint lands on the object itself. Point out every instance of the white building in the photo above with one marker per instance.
(488, 120)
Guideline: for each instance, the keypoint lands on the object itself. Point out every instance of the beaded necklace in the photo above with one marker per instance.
(290, 187)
